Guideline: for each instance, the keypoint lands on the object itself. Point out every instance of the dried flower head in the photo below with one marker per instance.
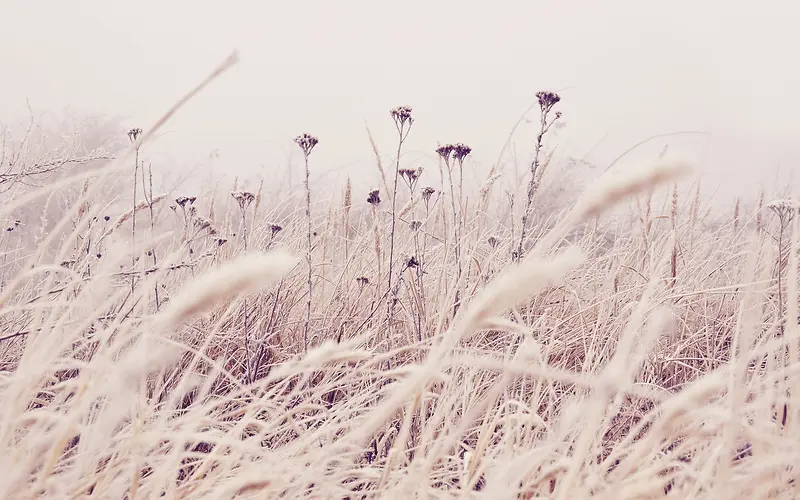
(362, 281)
(410, 176)
(374, 197)
(415, 225)
(221, 241)
(182, 200)
(134, 133)
(446, 151)
(201, 223)
(412, 262)
(192, 199)
(275, 229)
(547, 100)
(784, 209)
(427, 192)
(402, 116)
(106, 218)
(306, 142)
(461, 151)
(243, 198)
(493, 242)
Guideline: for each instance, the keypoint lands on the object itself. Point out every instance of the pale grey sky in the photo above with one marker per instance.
(625, 70)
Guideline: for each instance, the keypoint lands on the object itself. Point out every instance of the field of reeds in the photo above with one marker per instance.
(420, 340)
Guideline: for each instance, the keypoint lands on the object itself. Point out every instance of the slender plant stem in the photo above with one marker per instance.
(308, 255)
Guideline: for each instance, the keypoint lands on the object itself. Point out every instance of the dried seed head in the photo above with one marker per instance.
(362, 281)
(784, 209)
(410, 176)
(182, 200)
(201, 223)
(374, 197)
(221, 241)
(306, 143)
(402, 116)
(134, 133)
(275, 229)
(547, 100)
(415, 225)
(461, 151)
(412, 262)
(427, 193)
(243, 198)
(493, 242)
(446, 151)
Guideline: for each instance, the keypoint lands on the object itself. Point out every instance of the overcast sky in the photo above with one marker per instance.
(626, 70)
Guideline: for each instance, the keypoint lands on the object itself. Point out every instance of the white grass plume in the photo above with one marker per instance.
(613, 188)
(243, 275)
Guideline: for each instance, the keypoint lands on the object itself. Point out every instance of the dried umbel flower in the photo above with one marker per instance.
(410, 176)
(412, 262)
(427, 192)
(243, 198)
(275, 229)
(183, 201)
(461, 151)
(784, 209)
(221, 241)
(374, 197)
(445, 152)
(362, 281)
(402, 116)
(202, 223)
(415, 225)
(547, 100)
(306, 142)
(493, 242)
(134, 133)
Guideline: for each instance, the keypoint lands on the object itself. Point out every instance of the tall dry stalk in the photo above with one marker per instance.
(786, 210)
(307, 143)
(402, 121)
(546, 102)
(133, 136)
(244, 199)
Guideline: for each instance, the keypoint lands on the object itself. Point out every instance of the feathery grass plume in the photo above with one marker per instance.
(520, 281)
(378, 161)
(245, 274)
(613, 188)
(346, 206)
(129, 213)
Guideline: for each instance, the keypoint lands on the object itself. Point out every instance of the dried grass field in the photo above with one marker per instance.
(421, 340)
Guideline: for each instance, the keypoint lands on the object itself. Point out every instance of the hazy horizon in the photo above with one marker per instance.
(625, 71)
